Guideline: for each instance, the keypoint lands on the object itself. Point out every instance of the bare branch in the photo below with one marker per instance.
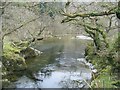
(41, 31)
(19, 27)
(3, 6)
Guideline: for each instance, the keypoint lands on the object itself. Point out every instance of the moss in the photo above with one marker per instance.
(11, 61)
(11, 53)
(9, 49)
(14, 61)
(22, 44)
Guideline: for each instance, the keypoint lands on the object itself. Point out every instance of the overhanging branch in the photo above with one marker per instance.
(92, 14)
(70, 17)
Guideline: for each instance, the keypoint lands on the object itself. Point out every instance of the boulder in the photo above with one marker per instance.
(11, 58)
(15, 63)
(29, 52)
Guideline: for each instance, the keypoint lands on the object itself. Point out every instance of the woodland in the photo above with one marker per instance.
(27, 25)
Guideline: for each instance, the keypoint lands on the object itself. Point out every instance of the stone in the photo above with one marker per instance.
(29, 52)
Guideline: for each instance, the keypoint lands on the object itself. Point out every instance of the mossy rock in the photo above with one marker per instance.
(22, 44)
(11, 58)
(9, 48)
(26, 51)
(11, 62)
(16, 63)
(29, 52)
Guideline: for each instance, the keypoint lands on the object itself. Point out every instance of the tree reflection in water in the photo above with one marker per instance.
(72, 82)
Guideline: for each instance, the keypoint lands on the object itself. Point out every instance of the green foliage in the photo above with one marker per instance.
(117, 43)
(104, 80)
(105, 61)
(96, 33)
(9, 50)
(116, 83)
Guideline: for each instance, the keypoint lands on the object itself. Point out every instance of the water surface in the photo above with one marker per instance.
(61, 65)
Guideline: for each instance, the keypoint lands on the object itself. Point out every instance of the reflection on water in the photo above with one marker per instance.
(68, 67)
(57, 79)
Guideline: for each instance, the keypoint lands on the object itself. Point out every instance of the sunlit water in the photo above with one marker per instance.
(61, 65)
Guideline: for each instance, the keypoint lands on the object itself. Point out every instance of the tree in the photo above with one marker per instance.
(91, 21)
(9, 28)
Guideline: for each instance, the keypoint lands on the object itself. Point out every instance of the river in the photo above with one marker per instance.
(61, 65)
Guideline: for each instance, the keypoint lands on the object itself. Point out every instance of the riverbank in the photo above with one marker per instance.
(63, 56)
(17, 60)
(62, 61)
(106, 61)
(14, 60)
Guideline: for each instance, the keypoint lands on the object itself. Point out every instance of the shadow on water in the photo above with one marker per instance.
(61, 65)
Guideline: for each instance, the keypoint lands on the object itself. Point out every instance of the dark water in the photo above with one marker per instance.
(61, 65)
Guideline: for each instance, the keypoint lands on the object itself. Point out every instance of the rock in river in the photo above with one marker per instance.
(29, 52)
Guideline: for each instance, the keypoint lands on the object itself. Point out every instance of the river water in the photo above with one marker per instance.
(61, 65)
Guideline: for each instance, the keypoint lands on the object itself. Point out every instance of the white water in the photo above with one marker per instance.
(83, 37)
